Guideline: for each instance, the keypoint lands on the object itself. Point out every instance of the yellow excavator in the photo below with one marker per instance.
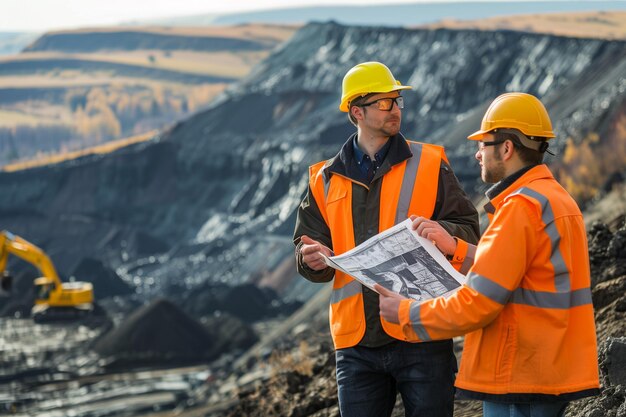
(54, 300)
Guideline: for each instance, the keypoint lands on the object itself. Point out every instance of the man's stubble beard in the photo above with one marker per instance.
(494, 174)
(391, 131)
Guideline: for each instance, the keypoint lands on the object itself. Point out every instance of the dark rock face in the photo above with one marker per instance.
(607, 253)
(246, 302)
(106, 282)
(220, 190)
(252, 303)
(229, 334)
(614, 361)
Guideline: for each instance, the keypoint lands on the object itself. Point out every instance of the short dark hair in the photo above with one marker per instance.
(527, 155)
(357, 102)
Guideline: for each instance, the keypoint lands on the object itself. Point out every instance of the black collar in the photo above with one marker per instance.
(359, 155)
(399, 151)
(502, 185)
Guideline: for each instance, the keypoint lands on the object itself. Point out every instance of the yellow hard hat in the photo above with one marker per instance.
(520, 111)
(366, 78)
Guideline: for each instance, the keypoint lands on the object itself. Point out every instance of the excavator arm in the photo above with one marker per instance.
(15, 245)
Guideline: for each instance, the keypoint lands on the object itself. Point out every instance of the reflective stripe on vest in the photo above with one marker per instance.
(469, 258)
(542, 299)
(408, 182)
(348, 290)
(416, 323)
(326, 179)
(561, 273)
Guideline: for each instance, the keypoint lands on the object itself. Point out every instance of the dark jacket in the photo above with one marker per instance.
(453, 210)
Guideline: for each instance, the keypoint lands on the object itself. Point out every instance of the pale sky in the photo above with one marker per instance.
(43, 15)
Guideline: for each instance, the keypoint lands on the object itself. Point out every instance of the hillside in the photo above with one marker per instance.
(13, 42)
(203, 212)
(74, 89)
(596, 24)
(232, 175)
(206, 39)
(33, 64)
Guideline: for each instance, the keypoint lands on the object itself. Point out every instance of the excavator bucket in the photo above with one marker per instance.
(6, 282)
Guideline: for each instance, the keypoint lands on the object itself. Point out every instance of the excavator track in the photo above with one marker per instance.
(90, 315)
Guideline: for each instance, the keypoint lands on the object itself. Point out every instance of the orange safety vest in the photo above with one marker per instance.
(526, 306)
(410, 187)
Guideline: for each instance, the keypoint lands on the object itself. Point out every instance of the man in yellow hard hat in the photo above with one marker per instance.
(530, 344)
(377, 180)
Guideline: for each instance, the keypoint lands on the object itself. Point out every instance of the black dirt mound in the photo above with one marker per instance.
(105, 281)
(158, 333)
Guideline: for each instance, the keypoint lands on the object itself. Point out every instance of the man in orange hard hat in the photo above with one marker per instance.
(377, 180)
(526, 307)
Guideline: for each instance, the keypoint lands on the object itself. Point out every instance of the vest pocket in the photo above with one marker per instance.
(336, 194)
(506, 354)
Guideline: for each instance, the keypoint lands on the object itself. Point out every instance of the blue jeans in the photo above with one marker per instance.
(368, 379)
(524, 410)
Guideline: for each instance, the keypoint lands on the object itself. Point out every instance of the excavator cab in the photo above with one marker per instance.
(43, 288)
(54, 300)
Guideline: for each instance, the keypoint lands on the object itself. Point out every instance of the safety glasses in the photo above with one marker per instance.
(386, 104)
(482, 145)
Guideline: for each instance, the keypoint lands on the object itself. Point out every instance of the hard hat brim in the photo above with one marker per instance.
(478, 135)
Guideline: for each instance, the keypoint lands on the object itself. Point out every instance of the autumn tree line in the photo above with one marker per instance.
(95, 115)
(591, 166)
